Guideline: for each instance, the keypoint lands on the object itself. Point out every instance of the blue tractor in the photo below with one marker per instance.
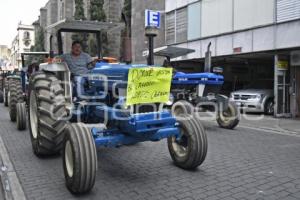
(75, 115)
(16, 88)
(200, 92)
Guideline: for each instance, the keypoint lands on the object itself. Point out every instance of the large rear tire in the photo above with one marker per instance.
(46, 114)
(229, 118)
(190, 150)
(79, 159)
(21, 116)
(1, 97)
(15, 95)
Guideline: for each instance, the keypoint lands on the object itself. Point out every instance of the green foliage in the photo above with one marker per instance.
(38, 46)
(79, 10)
(79, 15)
(126, 15)
(96, 10)
(97, 14)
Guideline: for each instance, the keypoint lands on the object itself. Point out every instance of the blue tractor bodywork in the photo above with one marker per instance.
(124, 125)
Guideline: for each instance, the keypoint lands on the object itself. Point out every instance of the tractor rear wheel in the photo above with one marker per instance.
(21, 116)
(229, 118)
(1, 97)
(189, 151)
(79, 159)
(46, 114)
(5, 93)
(15, 95)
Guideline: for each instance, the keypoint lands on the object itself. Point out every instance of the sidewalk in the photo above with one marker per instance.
(284, 125)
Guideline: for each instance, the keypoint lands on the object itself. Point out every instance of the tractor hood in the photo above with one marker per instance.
(115, 72)
(198, 78)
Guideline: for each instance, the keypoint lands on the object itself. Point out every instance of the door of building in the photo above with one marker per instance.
(298, 90)
(282, 85)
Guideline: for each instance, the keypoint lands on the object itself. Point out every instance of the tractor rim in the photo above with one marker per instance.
(69, 159)
(181, 146)
(33, 115)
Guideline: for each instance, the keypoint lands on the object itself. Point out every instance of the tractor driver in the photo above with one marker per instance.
(77, 60)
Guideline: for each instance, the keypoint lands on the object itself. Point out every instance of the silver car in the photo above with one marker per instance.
(254, 100)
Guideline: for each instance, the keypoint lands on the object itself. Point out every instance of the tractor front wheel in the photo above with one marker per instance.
(182, 107)
(229, 118)
(21, 116)
(79, 159)
(15, 95)
(189, 151)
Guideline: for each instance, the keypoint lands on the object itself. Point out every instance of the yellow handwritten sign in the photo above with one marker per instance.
(148, 85)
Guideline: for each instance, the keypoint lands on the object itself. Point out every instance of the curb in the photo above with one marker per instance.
(11, 185)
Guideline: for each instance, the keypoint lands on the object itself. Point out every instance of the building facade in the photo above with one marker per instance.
(4, 56)
(23, 41)
(57, 10)
(249, 38)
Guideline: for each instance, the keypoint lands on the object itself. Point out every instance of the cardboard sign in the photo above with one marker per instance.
(148, 85)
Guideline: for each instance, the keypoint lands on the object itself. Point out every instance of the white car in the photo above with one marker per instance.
(254, 100)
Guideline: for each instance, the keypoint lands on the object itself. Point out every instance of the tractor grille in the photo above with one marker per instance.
(146, 108)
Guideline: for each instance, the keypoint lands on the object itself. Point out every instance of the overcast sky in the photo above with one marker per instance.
(14, 11)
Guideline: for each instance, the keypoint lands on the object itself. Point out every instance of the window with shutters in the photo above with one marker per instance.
(170, 27)
(181, 25)
(176, 26)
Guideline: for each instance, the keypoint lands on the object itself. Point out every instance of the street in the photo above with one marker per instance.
(241, 164)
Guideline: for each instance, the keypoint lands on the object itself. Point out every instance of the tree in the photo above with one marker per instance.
(38, 46)
(126, 16)
(126, 32)
(97, 14)
(79, 15)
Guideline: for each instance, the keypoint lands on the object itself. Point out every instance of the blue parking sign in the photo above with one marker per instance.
(152, 18)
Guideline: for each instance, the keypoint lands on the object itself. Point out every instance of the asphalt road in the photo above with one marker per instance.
(241, 164)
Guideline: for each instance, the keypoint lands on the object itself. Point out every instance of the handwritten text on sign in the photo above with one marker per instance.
(148, 85)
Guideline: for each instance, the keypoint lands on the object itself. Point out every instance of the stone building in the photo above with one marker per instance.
(56, 10)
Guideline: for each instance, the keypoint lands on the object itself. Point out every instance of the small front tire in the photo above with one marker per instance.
(190, 150)
(79, 159)
(21, 116)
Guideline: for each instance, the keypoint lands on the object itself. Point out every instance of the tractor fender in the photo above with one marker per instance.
(54, 67)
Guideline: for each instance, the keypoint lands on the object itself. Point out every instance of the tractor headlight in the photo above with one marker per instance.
(171, 100)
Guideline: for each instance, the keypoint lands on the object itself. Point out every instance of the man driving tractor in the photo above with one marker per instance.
(77, 60)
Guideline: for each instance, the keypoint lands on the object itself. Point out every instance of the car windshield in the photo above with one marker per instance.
(261, 84)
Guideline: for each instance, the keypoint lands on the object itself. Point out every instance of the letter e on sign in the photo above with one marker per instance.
(152, 18)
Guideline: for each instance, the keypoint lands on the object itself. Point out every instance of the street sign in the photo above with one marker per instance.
(152, 18)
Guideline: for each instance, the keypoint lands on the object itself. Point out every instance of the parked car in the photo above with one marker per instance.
(257, 98)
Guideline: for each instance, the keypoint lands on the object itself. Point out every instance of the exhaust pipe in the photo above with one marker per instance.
(207, 67)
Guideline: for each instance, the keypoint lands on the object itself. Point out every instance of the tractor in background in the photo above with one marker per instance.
(17, 89)
(76, 114)
(193, 93)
